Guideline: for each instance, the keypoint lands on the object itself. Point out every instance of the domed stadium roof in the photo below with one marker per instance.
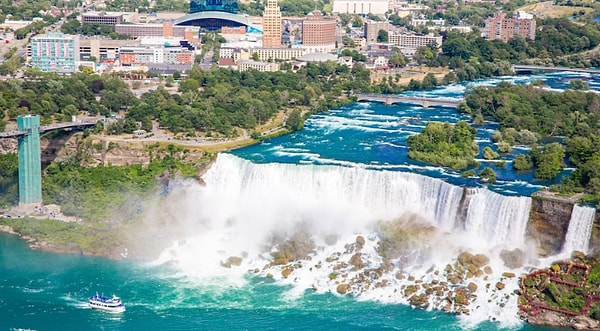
(317, 57)
(211, 16)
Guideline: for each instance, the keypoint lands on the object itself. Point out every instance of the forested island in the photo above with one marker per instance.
(445, 144)
(530, 115)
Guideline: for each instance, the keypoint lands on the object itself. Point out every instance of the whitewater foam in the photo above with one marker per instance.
(246, 208)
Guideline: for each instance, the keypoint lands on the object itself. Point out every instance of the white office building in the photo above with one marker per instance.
(377, 7)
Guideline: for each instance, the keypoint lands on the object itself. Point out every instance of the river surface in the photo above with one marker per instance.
(48, 291)
(44, 291)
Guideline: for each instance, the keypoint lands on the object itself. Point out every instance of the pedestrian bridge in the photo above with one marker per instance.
(28, 134)
(56, 126)
(390, 99)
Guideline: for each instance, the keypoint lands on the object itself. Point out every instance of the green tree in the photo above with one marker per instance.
(488, 175)
(578, 84)
(382, 36)
(397, 59)
(423, 54)
(504, 147)
(489, 154)
(522, 162)
(294, 120)
(548, 161)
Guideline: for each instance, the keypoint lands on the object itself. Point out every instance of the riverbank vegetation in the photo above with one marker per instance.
(96, 193)
(469, 56)
(101, 205)
(528, 115)
(106, 192)
(70, 237)
(9, 171)
(213, 102)
(217, 101)
(445, 144)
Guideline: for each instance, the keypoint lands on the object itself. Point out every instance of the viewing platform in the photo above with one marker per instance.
(390, 99)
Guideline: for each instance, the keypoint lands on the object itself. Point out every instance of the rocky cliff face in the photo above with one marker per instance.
(94, 151)
(8, 146)
(548, 223)
(595, 239)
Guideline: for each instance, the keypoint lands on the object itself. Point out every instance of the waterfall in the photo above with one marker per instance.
(246, 209)
(499, 219)
(580, 229)
(378, 195)
(357, 196)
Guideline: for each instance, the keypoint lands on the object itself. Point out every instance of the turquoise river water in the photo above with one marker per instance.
(326, 163)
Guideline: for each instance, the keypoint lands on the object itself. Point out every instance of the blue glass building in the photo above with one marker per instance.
(229, 6)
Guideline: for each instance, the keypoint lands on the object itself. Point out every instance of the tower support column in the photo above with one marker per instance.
(30, 167)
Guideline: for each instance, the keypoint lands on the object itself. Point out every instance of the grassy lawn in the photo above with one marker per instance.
(547, 9)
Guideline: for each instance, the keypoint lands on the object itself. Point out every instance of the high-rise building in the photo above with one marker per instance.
(318, 32)
(500, 27)
(372, 30)
(55, 52)
(272, 25)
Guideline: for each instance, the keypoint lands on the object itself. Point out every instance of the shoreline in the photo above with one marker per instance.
(36, 244)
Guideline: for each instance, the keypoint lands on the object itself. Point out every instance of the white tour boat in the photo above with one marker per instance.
(111, 304)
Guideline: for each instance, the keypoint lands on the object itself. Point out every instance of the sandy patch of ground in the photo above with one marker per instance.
(406, 74)
(547, 9)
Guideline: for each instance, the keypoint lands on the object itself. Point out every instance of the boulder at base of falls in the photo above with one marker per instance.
(356, 261)
(465, 258)
(548, 318)
(232, 261)
(578, 255)
(488, 270)
(286, 272)
(296, 247)
(513, 259)
(343, 288)
(360, 241)
(472, 287)
(480, 260)
(419, 300)
(584, 323)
